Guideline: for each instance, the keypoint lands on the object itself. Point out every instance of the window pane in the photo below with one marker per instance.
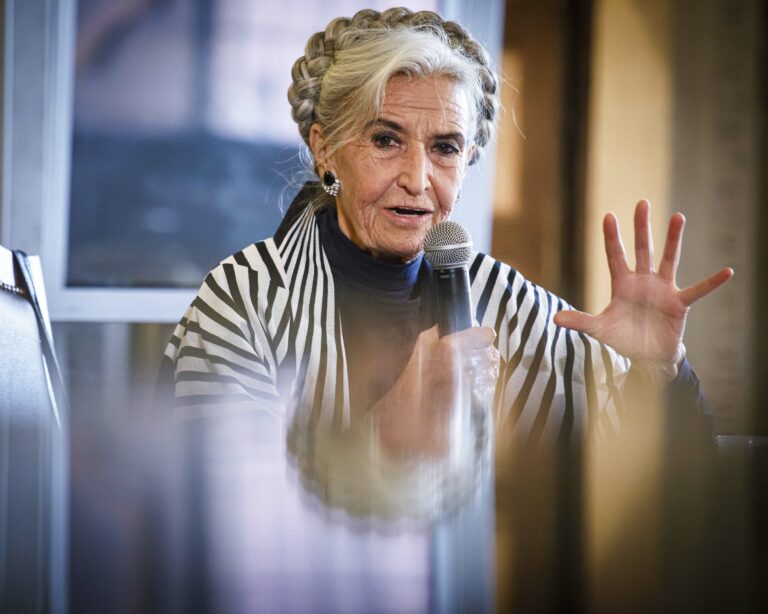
(183, 145)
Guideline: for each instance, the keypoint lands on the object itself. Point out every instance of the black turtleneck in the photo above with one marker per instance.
(383, 308)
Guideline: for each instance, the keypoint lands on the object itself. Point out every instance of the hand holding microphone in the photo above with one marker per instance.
(415, 415)
(448, 248)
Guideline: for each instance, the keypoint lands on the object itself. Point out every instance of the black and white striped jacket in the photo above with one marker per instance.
(264, 333)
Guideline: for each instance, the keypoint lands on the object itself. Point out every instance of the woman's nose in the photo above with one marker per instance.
(415, 174)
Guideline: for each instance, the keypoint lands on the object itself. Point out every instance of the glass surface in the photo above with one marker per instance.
(223, 518)
(183, 147)
(219, 514)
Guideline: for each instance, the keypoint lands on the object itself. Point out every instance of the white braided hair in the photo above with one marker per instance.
(340, 80)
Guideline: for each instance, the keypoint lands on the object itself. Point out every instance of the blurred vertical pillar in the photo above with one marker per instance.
(629, 153)
(717, 116)
(675, 116)
(630, 133)
(527, 224)
(716, 134)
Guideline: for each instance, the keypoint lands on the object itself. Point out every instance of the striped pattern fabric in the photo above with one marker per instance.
(264, 333)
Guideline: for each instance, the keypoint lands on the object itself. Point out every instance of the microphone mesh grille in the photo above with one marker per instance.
(447, 245)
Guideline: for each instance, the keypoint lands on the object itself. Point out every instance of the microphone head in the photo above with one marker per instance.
(448, 245)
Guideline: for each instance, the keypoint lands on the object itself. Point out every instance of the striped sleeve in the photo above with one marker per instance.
(555, 383)
(222, 348)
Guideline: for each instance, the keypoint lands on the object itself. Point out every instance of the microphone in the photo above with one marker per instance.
(448, 248)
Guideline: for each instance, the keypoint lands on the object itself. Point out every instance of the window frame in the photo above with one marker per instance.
(38, 93)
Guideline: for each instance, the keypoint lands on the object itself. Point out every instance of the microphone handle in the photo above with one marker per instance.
(454, 307)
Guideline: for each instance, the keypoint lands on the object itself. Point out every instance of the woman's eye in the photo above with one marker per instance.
(448, 149)
(384, 141)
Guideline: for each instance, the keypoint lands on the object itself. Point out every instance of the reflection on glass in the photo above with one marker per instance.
(421, 469)
(329, 522)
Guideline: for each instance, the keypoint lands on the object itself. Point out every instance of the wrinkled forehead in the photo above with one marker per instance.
(436, 102)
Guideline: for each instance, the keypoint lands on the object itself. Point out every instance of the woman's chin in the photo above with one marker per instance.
(399, 252)
(395, 245)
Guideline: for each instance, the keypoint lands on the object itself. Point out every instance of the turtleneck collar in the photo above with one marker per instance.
(361, 271)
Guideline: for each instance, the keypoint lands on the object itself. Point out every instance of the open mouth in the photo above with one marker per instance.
(410, 212)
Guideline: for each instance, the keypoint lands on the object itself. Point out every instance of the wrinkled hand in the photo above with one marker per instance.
(414, 417)
(645, 319)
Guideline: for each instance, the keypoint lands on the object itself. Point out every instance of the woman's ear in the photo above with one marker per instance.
(468, 157)
(317, 144)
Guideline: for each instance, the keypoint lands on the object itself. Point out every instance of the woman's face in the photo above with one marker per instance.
(403, 175)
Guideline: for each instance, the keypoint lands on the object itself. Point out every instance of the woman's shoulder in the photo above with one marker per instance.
(489, 276)
(233, 296)
(259, 260)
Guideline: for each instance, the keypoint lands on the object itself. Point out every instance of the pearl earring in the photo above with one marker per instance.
(331, 183)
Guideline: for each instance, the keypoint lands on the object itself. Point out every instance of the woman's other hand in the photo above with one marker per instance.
(645, 319)
(414, 417)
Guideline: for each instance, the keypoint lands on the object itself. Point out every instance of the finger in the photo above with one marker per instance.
(482, 357)
(693, 293)
(671, 257)
(482, 364)
(429, 336)
(485, 376)
(643, 239)
(477, 337)
(614, 248)
(454, 350)
(575, 320)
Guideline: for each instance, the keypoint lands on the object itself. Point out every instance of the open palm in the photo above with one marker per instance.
(645, 319)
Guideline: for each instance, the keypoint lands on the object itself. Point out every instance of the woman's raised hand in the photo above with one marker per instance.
(645, 319)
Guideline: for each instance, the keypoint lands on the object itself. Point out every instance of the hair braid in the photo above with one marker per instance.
(343, 33)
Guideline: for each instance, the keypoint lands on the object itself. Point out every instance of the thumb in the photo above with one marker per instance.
(576, 320)
(427, 338)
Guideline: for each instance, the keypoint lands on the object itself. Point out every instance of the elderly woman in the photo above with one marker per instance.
(333, 319)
